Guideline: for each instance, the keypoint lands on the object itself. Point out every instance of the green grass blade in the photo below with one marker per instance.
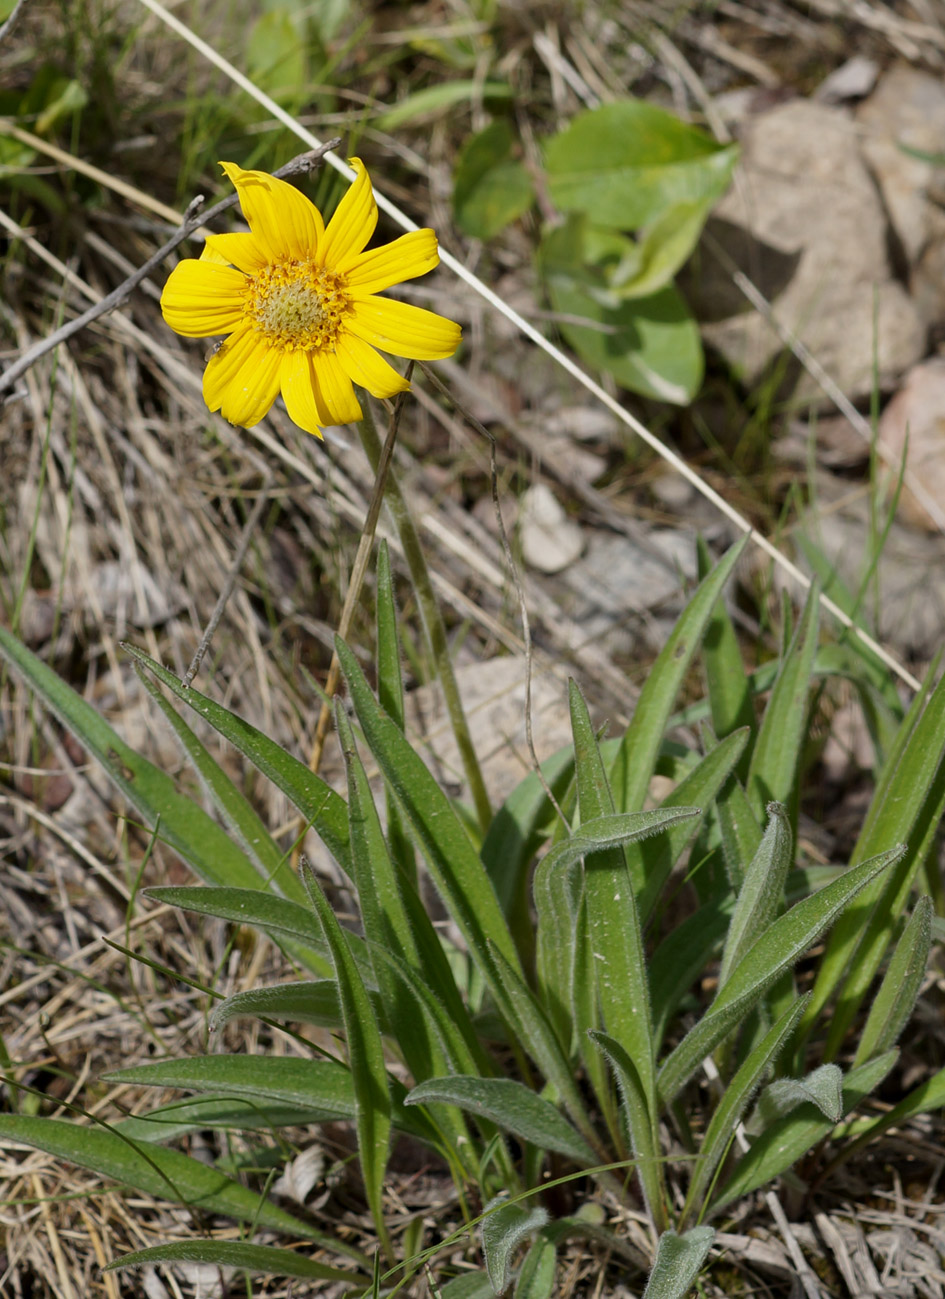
(775, 951)
(729, 691)
(637, 754)
(242, 819)
(366, 1058)
(774, 761)
(511, 1106)
(165, 1174)
(238, 1254)
(895, 1001)
(180, 823)
(637, 1108)
(322, 808)
(785, 1142)
(613, 923)
(762, 891)
(454, 863)
(390, 690)
(731, 1107)
(679, 1260)
(906, 807)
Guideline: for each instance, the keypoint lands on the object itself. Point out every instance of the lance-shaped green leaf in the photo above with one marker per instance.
(165, 1174)
(682, 957)
(243, 820)
(613, 924)
(908, 807)
(774, 760)
(308, 1001)
(636, 1106)
(366, 1058)
(536, 1276)
(739, 831)
(557, 895)
(895, 1001)
(534, 1030)
(454, 864)
(181, 823)
(636, 757)
(390, 693)
(512, 1106)
(614, 830)
(679, 1260)
(822, 1088)
(654, 862)
(283, 919)
(731, 1107)
(777, 950)
(317, 1084)
(503, 1229)
(318, 803)
(927, 1098)
(197, 1113)
(239, 1254)
(728, 686)
(762, 890)
(785, 1142)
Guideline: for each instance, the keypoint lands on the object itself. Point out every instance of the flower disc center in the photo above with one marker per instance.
(297, 306)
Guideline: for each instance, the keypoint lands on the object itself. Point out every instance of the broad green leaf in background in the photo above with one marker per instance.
(239, 1254)
(683, 956)
(626, 162)
(312, 1001)
(490, 187)
(650, 345)
(275, 56)
(679, 1260)
(664, 245)
(536, 1276)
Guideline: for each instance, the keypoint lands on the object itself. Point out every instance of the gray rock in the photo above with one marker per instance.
(550, 540)
(913, 424)
(804, 222)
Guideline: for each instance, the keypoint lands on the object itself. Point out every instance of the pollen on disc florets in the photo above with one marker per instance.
(296, 305)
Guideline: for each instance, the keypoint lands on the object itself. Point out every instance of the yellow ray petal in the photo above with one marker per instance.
(353, 222)
(410, 255)
(301, 394)
(203, 298)
(336, 388)
(365, 367)
(242, 378)
(243, 251)
(403, 329)
(286, 225)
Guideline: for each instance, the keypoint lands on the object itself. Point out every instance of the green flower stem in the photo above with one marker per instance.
(432, 621)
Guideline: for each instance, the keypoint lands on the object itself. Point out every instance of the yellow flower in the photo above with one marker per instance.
(298, 303)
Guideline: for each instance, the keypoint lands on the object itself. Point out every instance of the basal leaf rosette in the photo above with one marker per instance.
(300, 308)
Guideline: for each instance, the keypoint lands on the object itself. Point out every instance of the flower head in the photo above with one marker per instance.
(298, 302)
